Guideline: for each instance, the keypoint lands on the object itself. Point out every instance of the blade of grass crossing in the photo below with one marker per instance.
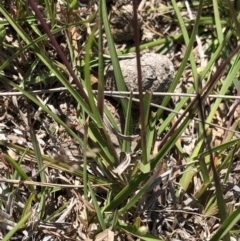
(35, 41)
(108, 147)
(202, 190)
(40, 165)
(204, 171)
(27, 75)
(85, 165)
(219, 148)
(219, 194)
(85, 174)
(207, 68)
(38, 154)
(189, 44)
(115, 220)
(113, 122)
(18, 170)
(73, 4)
(97, 208)
(211, 207)
(126, 145)
(88, 81)
(69, 41)
(28, 205)
(15, 174)
(151, 132)
(134, 182)
(229, 160)
(38, 103)
(100, 100)
(227, 225)
(98, 138)
(145, 165)
(151, 44)
(179, 106)
(54, 163)
(217, 21)
(81, 99)
(57, 212)
(18, 226)
(50, 11)
(137, 196)
(228, 81)
(115, 62)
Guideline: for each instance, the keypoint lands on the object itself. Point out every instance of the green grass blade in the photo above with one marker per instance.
(35, 41)
(55, 163)
(126, 145)
(97, 208)
(152, 44)
(18, 226)
(188, 54)
(88, 82)
(116, 67)
(220, 148)
(134, 182)
(217, 21)
(18, 170)
(227, 225)
(112, 157)
(85, 174)
(38, 103)
(100, 100)
(37, 154)
(46, 61)
(50, 11)
(145, 165)
(137, 196)
(41, 169)
(29, 203)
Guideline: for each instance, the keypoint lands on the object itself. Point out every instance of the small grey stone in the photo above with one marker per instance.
(157, 74)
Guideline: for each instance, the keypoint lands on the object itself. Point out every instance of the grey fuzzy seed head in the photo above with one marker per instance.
(157, 74)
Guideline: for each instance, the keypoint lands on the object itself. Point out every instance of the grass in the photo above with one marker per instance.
(131, 187)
